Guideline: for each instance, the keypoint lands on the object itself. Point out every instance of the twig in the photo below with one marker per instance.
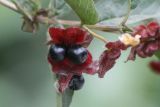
(46, 20)
(104, 28)
(9, 5)
(95, 34)
(72, 23)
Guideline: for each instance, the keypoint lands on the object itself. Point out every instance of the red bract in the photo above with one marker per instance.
(150, 41)
(66, 66)
(149, 31)
(70, 36)
(65, 69)
(108, 57)
(155, 66)
(116, 45)
(63, 82)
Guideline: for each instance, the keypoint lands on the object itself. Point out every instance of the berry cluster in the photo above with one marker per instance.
(69, 57)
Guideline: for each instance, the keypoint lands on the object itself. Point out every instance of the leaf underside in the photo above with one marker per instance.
(112, 11)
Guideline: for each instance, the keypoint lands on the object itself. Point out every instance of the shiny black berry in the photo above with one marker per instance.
(57, 52)
(76, 82)
(77, 54)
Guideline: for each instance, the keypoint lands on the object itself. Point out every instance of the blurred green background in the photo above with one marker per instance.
(26, 80)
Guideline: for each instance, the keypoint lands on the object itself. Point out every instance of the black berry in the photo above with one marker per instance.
(77, 54)
(76, 82)
(57, 52)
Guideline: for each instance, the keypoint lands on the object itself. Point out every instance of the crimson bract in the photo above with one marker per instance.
(150, 41)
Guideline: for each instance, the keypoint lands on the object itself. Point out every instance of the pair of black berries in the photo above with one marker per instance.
(77, 54)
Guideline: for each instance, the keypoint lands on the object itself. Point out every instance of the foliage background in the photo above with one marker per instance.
(26, 81)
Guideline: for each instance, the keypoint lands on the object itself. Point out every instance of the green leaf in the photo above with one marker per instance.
(85, 9)
(112, 11)
(158, 54)
(108, 9)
